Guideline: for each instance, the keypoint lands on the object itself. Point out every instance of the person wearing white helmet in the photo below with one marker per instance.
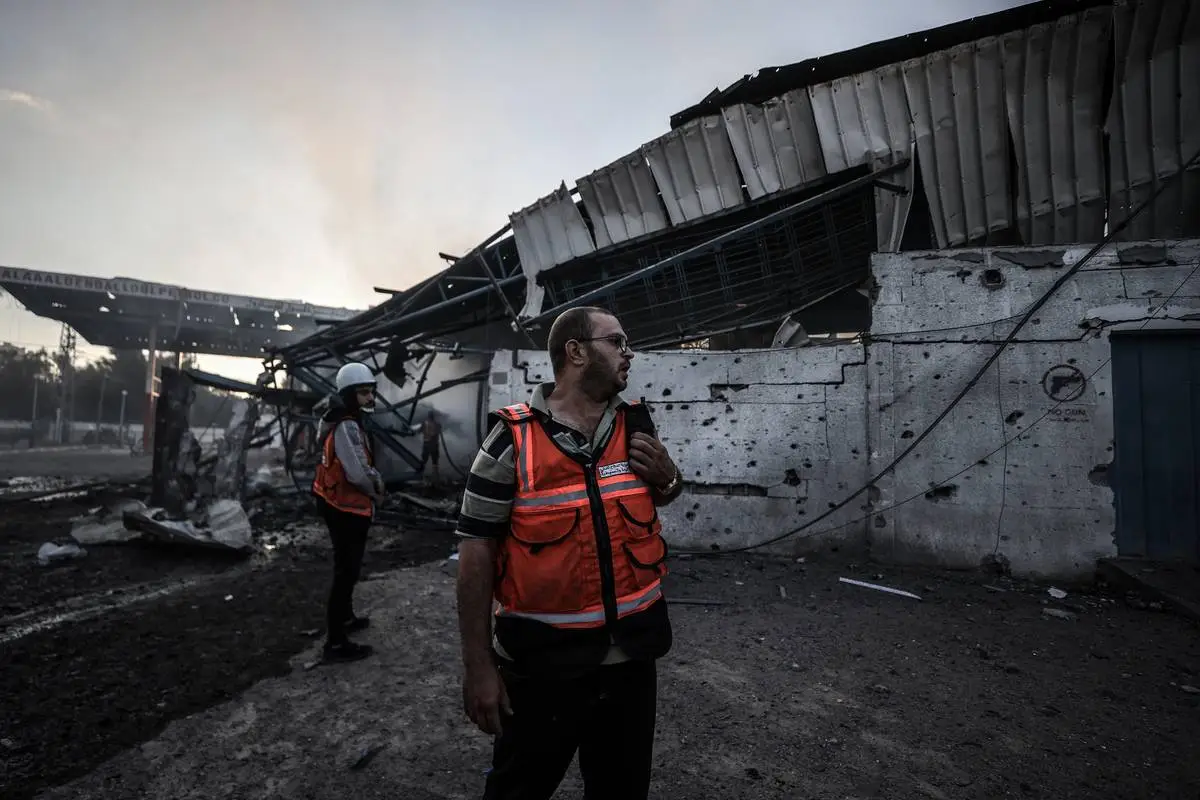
(347, 488)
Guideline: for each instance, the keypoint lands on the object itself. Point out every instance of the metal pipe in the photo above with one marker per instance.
(516, 319)
(381, 327)
(795, 208)
(299, 347)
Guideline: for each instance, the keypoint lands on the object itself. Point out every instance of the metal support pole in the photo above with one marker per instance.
(33, 419)
(100, 407)
(516, 319)
(151, 390)
(121, 427)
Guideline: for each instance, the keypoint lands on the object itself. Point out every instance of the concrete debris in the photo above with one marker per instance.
(1057, 594)
(1058, 613)
(51, 552)
(106, 524)
(1188, 688)
(366, 755)
(880, 588)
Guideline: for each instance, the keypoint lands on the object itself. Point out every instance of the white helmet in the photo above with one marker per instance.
(353, 375)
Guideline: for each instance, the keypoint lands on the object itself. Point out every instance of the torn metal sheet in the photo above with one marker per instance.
(223, 526)
(695, 170)
(957, 102)
(865, 120)
(776, 143)
(1154, 117)
(550, 232)
(622, 201)
(1054, 80)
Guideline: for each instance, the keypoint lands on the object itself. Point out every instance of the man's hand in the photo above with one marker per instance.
(485, 698)
(650, 460)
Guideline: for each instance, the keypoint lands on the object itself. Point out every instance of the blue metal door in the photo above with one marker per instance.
(1156, 421)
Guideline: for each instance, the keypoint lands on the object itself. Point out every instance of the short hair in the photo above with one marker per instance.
(574, 323)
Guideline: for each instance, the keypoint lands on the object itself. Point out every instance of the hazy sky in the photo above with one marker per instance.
(311, 150)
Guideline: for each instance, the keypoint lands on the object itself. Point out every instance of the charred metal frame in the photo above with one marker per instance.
(483, 287)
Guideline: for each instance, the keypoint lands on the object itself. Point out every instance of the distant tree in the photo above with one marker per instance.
(20, 371)
(98, 387)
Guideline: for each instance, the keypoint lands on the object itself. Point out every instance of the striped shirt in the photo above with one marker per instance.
(492, 484)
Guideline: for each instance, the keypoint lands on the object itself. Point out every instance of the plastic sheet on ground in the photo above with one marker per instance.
(51, 552)
(223, 526)
(106, 524)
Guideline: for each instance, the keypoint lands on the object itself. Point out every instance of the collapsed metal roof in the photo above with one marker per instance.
(1038, 125)
(124, 312)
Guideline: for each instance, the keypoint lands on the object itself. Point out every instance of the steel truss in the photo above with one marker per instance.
(744, 269)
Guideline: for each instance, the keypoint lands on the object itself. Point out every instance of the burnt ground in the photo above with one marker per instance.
(81, 691)
(816, 690)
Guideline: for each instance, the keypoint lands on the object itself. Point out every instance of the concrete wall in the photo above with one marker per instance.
(766, 439)
(1043, 502)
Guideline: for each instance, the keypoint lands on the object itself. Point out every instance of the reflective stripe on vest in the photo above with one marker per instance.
(330, 483)
(550, 570)
(592, 618)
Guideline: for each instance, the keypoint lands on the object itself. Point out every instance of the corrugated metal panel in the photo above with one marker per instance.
(957, 102)
(622, 200)
(776, 143)
(695, 170)
(1154, 119)
(865, 119)
(550, 232)
(1054, 77)
(862, 119)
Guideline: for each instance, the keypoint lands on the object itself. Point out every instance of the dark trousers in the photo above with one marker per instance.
(349, 535)
(606, 714)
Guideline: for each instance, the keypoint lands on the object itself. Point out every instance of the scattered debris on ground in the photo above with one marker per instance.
(829, 691)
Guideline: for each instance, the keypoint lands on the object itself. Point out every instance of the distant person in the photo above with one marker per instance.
(347, 487)
(431, 438)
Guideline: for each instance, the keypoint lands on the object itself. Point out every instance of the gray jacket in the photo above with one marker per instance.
(350, 448)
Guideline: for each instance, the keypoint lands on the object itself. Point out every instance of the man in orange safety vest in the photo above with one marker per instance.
(561, 559)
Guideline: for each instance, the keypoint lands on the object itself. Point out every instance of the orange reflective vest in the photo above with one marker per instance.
(585, 547)
(330, 483)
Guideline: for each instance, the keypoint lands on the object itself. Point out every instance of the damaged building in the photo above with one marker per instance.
(934, 298)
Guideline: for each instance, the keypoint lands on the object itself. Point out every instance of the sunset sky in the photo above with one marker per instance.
(311, 150)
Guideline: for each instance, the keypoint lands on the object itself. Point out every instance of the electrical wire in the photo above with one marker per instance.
(971, 465)
(958, 398)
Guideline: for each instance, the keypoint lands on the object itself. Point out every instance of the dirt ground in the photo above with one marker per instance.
(793, 685)
(78, 463)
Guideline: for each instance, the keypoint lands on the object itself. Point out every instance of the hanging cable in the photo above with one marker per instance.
(970, 466)
(958, 398)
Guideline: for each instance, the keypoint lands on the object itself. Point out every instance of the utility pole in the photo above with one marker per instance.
(121, 427)
(100, 406)
(66, 383)
(33, 419)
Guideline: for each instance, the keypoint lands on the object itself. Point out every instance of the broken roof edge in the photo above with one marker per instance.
(770, 82)
(373, 318)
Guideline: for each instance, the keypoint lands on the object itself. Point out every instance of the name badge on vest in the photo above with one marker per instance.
(613, 470)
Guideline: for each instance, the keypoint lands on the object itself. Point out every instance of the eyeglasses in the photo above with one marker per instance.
(617, 340)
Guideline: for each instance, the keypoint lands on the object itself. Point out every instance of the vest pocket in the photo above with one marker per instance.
(543, 565)
(643, 545)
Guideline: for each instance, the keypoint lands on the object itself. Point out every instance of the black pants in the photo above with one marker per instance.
(606, 714)
(349, 535)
